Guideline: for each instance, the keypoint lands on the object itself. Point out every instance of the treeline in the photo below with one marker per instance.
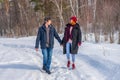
(23, 17)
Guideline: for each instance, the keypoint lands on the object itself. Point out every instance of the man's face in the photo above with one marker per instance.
(49, 22)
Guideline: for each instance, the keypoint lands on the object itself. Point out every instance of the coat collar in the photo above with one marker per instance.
(44, 27)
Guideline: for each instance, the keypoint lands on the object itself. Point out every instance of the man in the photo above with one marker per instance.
(71, 40)
(45, 36)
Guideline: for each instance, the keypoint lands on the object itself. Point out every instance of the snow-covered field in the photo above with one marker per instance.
(19, 61)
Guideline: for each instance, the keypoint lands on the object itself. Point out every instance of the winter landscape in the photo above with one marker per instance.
(20, 61)
(89, 30)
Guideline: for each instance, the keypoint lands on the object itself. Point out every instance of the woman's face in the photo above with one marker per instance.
(71, 21)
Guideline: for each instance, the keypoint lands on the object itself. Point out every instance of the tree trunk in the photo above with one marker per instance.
(119, 38)
(111, 37)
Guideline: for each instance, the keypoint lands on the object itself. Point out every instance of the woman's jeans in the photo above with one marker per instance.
(68, 54)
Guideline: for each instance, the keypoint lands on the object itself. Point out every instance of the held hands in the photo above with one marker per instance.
(61, 44)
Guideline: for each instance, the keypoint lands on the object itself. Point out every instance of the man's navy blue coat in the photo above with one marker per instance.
(42, 37)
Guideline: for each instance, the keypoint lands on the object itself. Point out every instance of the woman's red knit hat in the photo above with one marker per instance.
(74, 18)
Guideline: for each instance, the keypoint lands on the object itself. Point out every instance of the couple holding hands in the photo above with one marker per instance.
(70, 42)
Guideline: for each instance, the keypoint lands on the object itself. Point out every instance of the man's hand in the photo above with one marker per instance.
(36, 49)
(61, 45)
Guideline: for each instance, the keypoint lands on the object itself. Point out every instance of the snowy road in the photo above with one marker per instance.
(19, 61)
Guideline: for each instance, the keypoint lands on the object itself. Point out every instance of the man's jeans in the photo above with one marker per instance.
(47, 57)
(68, 46)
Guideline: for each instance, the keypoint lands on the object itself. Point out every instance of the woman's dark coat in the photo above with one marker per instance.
(76, 38)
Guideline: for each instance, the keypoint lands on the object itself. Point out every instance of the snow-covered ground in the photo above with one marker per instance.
(19, 61)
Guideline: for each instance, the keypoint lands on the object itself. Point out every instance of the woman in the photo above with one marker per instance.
(71, 40)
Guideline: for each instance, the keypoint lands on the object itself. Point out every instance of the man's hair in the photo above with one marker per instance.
(47, 18)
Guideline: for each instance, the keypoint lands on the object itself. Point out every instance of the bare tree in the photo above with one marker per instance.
(23, 17)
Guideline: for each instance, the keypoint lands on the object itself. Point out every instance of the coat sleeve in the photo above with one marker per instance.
(79, 35)
(63, 39)
(57, 36)
(38, 39)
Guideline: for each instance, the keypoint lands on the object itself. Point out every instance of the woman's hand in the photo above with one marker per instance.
(79, 44)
